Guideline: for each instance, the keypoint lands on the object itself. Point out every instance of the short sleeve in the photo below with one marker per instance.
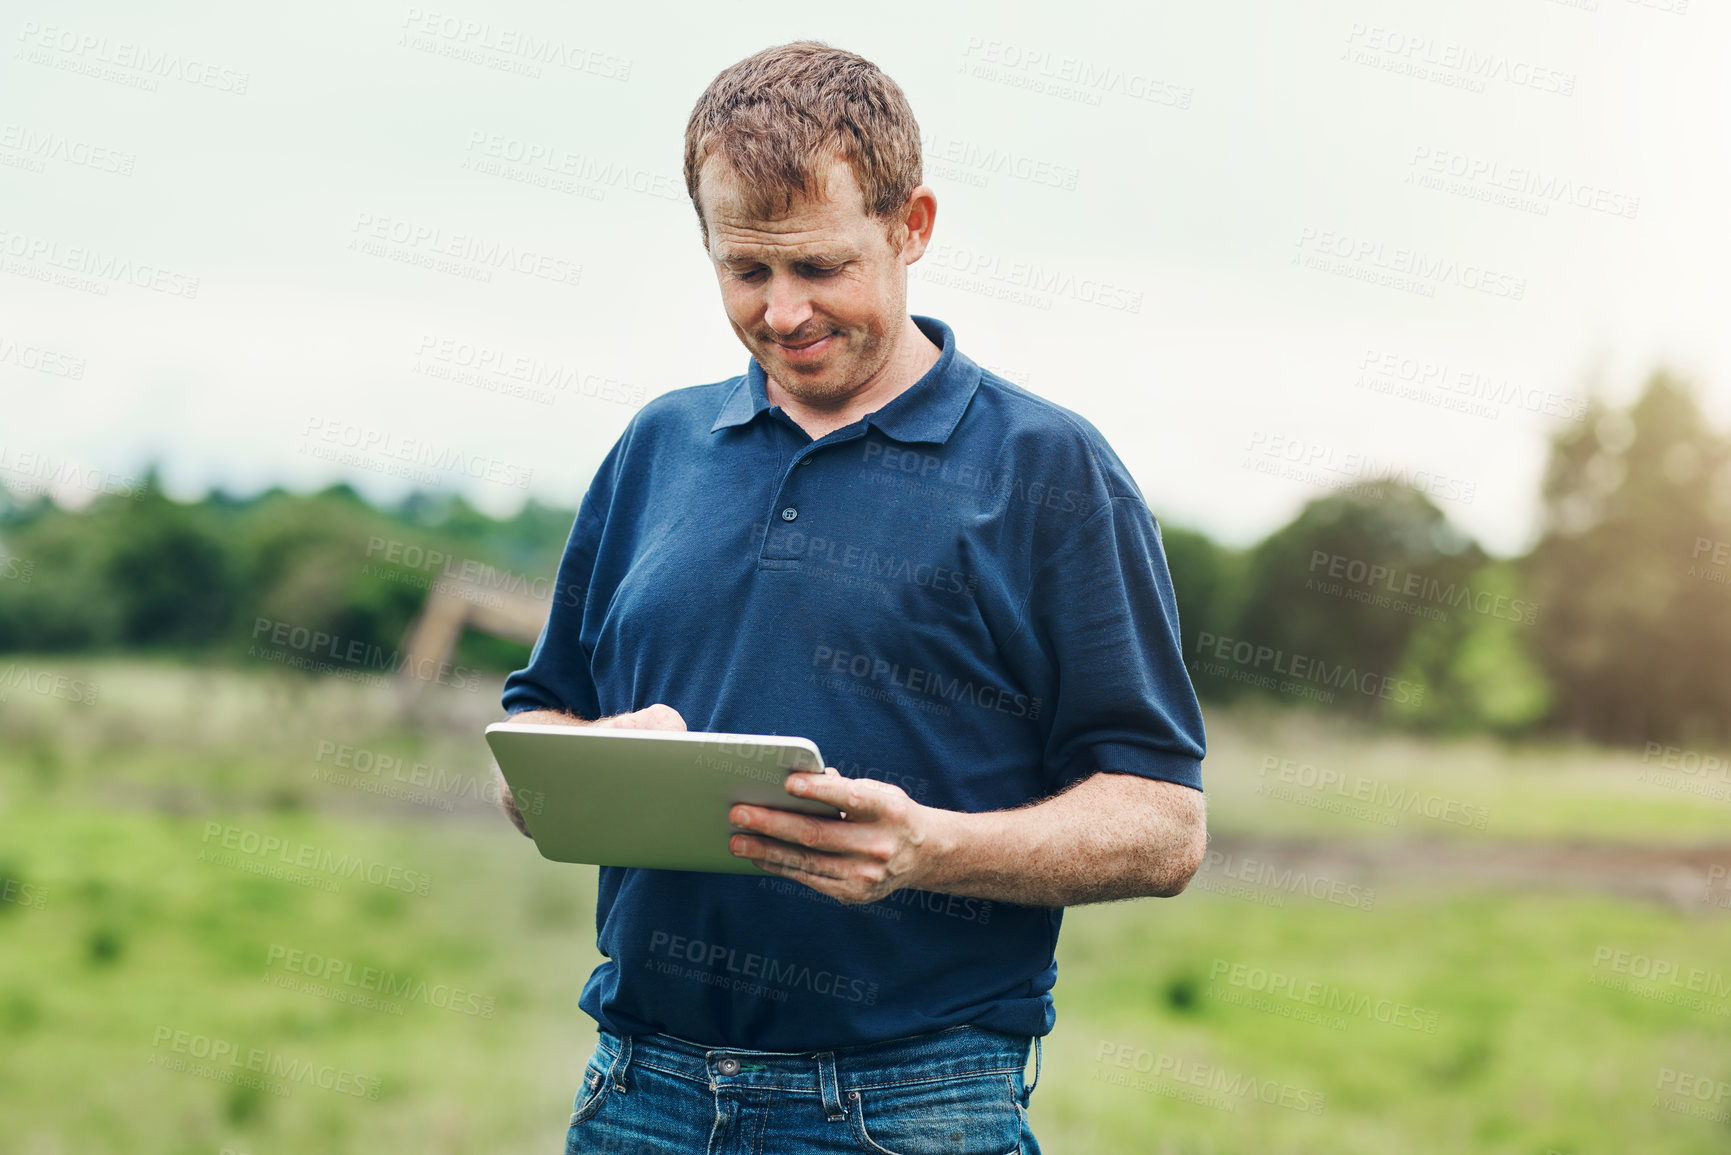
(1103, 610)
(558, 675)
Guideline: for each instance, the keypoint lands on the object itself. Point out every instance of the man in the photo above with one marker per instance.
(951, 585)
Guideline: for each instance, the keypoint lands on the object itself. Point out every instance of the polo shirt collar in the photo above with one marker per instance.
(927, 410)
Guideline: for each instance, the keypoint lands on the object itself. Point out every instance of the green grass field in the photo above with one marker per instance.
(150, 966)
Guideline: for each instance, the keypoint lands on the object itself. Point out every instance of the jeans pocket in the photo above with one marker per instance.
(590, 1095)
(965, 1115)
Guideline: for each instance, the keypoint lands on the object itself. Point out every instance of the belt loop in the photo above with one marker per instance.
(620, 1063)
(1028, 1091)
(831, 1089)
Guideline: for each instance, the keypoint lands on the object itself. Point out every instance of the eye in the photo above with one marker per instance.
(823, 270)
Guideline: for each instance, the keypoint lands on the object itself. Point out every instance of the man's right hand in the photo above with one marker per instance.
(657, 717)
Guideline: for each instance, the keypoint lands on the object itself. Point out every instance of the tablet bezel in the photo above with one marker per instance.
(660, 806)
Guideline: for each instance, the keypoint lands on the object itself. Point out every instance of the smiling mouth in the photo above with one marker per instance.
(807, 345)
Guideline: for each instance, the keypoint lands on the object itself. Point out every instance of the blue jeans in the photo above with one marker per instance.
(958, 1091)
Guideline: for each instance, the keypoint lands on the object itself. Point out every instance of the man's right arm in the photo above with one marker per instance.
(657, 717)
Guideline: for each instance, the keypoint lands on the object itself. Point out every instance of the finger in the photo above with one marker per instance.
(857, 796)
(806, 830)
(783, 858)
(827, 876)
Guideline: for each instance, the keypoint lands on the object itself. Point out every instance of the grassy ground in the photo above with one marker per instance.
(147, 961)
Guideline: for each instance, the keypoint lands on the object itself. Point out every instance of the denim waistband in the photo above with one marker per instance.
(945, 1054)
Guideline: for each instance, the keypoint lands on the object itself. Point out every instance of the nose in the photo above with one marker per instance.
(788, 305)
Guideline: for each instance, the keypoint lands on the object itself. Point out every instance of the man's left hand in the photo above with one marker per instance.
(880, 844)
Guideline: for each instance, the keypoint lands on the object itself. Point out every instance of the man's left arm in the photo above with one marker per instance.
(1126, 735)
(1106, 837)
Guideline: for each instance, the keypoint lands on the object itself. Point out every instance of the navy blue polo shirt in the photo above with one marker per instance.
(962, 593)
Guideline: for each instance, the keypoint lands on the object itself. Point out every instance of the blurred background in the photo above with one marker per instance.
(1409, 320)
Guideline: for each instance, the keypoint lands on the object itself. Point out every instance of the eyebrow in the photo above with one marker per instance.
(831, 257)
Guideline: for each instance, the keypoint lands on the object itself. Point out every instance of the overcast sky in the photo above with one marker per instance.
(1317, 238)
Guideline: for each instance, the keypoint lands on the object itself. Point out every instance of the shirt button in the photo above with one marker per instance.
(789, 513)
(805, 461)
(728, 1066)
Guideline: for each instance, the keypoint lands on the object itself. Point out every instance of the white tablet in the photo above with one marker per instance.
(653, 798)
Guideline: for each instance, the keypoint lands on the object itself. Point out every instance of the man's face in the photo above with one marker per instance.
(819, 296)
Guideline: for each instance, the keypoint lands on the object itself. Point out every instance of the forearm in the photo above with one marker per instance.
(1111, 836)
(548, 718)
(503, 788)
(657, 717)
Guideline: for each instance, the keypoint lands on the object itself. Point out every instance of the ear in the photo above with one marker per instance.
(915, 227)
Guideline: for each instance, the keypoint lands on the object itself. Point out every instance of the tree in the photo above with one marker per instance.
(1338, 591)
(1635, 626)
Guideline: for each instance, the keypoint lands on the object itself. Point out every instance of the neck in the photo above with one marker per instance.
(913, 356)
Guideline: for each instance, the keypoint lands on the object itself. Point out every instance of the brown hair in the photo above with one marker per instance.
(778, 112)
